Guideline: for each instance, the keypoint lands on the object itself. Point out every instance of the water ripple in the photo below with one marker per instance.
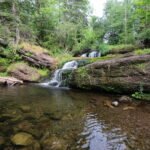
(94, 136)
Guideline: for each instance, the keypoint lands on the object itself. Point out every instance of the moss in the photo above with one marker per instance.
(32, 48)
(108, 57)
(43, 72)
(120, 47)
(3, 74)
(141, 96)
(141, 66)
(15, 65)
(82, 72)
(142, 51)
(4, 62)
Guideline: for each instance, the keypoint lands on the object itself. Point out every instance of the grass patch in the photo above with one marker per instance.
(43, 72)
(15, 65)
(119, 47)
(141, 96)
(63, 57)
(4, 62)
(142, 51)
(33, 48)
(3, 74)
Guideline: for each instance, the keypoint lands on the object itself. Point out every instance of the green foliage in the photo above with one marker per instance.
(142, 51)
(141, 96)
(104, 48)
(4, 62)
(43, 72)
(3, 74)
(67, 25)
(63, 57)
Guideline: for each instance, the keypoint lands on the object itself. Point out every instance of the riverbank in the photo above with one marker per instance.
(122, 70)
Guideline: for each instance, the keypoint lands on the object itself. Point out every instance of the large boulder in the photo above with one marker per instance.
(24, 72)
(121, 75)
(37, 56)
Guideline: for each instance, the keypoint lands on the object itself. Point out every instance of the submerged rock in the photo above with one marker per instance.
(2, 141)
(22, 139)
(129, 108)
(54, 116)
(5, 117)
(54, 143)
(25, 108)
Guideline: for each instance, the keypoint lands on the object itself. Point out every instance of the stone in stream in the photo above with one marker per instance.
(115, 103)
(22, 139)
(5, 117)
(54, 116)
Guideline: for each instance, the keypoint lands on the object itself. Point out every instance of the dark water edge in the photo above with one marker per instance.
(65, 119)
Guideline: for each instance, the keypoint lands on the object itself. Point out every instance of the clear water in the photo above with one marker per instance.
(78, 118)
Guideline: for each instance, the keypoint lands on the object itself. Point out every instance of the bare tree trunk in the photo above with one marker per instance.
(125, 22)
(16, 19)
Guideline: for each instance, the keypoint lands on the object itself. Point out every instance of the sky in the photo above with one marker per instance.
(98, 6)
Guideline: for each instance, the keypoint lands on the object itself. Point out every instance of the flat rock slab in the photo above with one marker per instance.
(118, 75)
(10, 81)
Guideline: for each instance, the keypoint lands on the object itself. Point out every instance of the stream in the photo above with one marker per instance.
(66, 119)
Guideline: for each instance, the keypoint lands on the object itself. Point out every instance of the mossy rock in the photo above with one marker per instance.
(24, 72)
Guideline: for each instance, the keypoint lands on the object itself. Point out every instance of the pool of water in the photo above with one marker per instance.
(65, 119)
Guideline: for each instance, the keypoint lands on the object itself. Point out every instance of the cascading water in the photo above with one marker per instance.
(57, 80)
(84, 55)
(92, 54)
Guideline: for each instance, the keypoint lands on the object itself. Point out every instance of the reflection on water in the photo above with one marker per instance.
(63, 119)
(95, 137)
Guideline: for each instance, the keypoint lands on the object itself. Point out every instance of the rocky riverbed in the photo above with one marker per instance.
(35, 118)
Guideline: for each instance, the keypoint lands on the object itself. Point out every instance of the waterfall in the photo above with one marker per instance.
(92, 54)
(57, 79)
(84, 55)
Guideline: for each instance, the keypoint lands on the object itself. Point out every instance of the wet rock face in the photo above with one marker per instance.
(24, 72)
(122, 75)
(42, 59)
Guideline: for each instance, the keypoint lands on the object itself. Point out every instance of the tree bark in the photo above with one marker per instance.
(16, 19)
